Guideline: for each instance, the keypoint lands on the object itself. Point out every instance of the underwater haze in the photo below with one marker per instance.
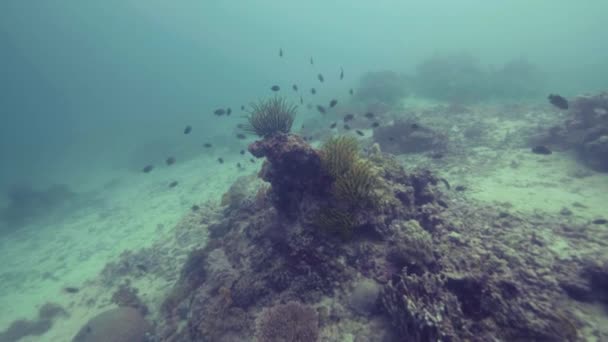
(129, 135)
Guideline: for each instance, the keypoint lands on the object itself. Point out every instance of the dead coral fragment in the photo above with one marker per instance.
(338, 155)
(293, 322)
(270, 116)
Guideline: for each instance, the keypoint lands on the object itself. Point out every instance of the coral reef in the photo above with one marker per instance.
(585, 131)
(408, 137)
(123, 324)
(25, 327)
(288, 322)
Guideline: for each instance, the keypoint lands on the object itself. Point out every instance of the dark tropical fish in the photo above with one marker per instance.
(275, 88)
(148, 168)
(558, 101)
(238, 165)
(170, 161)
(600, 221)
(242, 152)
(311, 61)
(414, 126)
(195, 207)
(173, 184)
(301, 100)
(310, 138)
(351, 91)
(333, 103)
(320, 77)
(540, 149)
(294, 87)
(321, 109)
(188, 129)
(348, 117)
(359, 132)
(220, 160)
(219, 111)
(369, 115)
(71, 289)
(280, 52)
(333, 125)
(242, 107)
(376, 124)
(341, 74)
(252, 160)
(207, 145)
(346, 127)
(228, 111)
(241, 136)
(313, 91)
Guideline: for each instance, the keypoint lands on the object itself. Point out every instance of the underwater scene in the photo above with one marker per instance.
(303, 171)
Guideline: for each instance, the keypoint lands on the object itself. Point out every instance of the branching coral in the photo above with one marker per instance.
(270, 116)
(292, 322)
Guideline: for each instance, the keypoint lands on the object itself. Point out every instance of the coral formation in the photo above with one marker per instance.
(270, 116)
(292, 321)
(123, 324)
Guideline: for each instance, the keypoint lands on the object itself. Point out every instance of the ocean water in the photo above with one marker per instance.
(93, 92)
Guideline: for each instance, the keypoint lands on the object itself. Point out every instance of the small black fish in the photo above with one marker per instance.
(311, 61)
(280, 52)
(558, 101)
(219, 111)
(71, 289)
(241, 136)
(313, 91)
(170, 161)
(195, 207)
(207, 145)
(333, 125)
(148, 168)
(238, 165)
(540, 149)
(346, 127)
(359, 132)
(341, 74)
(414, 126)
(369, 115)
(333, 103)
(275, 88)
(375, 124)
(220, 160)
(348, 117)
(599, 221)
(321, 109)
(252, 160)
(301, 100)
(242, 107)
(188, 129)
(294, 87)
(310, 138)
(173, 184)
(351, 91)
(321, 78)
(242, 152)
(228, 111)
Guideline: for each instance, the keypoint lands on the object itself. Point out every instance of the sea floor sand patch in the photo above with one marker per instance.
(137, 209)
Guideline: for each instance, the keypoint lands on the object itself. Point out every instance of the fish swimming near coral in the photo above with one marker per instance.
(207, 145)
(558, 101)
(228, 111)
(313, 91)
(312, 62)
(341, 74)
(275, 88)
(242, 152)
(241, 136)
(348, 117)
(321, 109)
(220, 160)
(321, 78)
(333, 103)
(148, 168)
(541, 150)
(294, 87)
(188, 129)
(280, 52)
(346, 127)
(333, 125)
(360, 132)
(369, 115)
(376, 124)
(173, 184)
(351, 91)
(170, 161)
(219, 111)
(301, 100)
